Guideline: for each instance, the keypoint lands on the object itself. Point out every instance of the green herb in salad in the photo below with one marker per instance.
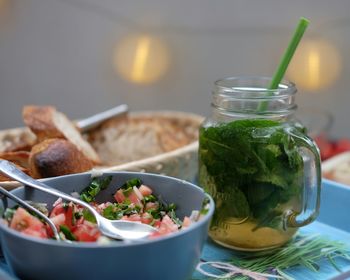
(135, 182)
(96, 185)
(67, 233)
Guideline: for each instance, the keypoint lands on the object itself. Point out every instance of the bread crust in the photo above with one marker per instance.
(131, 138)
(20, 158)
(40, 120)
(46, 123)
(55, 157)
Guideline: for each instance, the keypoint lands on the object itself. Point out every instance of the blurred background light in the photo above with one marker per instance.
(4, 8)
(141, 59)
(315, 66)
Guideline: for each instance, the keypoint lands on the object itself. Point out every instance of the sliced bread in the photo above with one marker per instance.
(55, 157)
(46, 123)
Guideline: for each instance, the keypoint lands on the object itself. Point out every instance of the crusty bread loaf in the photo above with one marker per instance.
(135, 137)
(55, 157)
(16, 139)
(46, 123)
(20, 158)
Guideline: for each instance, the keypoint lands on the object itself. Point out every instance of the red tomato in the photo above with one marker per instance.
(67, 211)
(134, 198)
(133, 218)
(151, 205)
(28, 224)
(326, 147)
(342, 145)
(186, 222)
(145, 190)
(58, 209)
(166, 226)
(86, 232)
(146, 218)
(119, 196)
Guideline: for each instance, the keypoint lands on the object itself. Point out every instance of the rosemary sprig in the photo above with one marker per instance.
(304, 250)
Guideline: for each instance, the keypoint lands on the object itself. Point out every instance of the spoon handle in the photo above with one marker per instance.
(33, 209)
(95, 120)
(13, 172)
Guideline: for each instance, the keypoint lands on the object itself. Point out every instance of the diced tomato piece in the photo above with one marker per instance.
(146, 218)
(166, 226)
(186, 222)
(58, 209)
(86, 232)
(151, 205)
(37, 233)
(119, 196)
(157, 223)
(28, 224)
(68, 212)
(134, 198)
(145, 190)
(133, 218)
(59, 220)
(70, 221)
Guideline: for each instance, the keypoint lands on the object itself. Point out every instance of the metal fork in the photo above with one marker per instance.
(33, 209)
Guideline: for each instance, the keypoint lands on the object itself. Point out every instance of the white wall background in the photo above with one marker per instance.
(59, 52)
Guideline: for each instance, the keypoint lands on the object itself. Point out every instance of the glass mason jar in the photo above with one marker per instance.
(258, 164)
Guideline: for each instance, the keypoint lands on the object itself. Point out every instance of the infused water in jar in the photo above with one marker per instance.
(259, 165)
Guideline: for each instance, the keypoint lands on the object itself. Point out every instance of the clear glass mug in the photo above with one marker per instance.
(258, 164)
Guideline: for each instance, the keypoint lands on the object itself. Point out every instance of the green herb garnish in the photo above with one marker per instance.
(96, 185)
(174, 218)
(149, 198)
(88, 216)
(9, 212)
(67, 233)
(131, 183)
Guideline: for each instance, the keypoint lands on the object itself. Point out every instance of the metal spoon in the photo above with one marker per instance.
(116, 229)
(33, 209)
(95, 120)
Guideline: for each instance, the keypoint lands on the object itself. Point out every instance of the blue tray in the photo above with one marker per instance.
(333, 222)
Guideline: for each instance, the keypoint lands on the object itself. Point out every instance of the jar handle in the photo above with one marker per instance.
(311, 182)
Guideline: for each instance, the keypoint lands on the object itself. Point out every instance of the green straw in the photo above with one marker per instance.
(286, 58)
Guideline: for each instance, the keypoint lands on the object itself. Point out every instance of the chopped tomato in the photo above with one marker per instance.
(67, 211)
(166, 226)
(134, 198)
(145, 190)
(151, 205)
(186, 222)
(133, 218)
(86, 232)
(58, 209)
(28, 224)
(59, 220)
(146, 218)
(119, 196)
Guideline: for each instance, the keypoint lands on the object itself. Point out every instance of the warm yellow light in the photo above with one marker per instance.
(4, 7)
(315, 66)
(141, 59)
